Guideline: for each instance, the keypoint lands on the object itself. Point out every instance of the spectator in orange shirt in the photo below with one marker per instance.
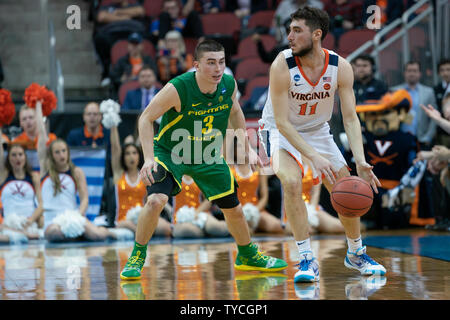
(29, 137)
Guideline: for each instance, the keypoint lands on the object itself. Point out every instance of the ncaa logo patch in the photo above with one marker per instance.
(224, 90)
(297, 77)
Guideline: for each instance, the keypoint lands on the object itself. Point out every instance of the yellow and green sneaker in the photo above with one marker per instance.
(133, 267)
(249, 258)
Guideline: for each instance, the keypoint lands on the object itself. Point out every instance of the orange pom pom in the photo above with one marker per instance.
(36, 92)
(7, 108)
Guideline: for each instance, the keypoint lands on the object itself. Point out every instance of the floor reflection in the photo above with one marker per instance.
(204, 271)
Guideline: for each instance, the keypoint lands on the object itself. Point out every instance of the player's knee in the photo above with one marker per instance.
(157, 200)
(291, 184)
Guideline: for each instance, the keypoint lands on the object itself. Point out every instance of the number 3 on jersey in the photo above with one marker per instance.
(208, 124)
(304, 108)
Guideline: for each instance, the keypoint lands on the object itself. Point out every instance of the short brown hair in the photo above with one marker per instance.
(207, 45)
(314, 19)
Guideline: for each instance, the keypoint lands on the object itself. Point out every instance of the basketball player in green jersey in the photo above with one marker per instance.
(196, 108)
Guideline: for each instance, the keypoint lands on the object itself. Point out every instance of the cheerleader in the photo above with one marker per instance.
(20, 196)
(64, 220)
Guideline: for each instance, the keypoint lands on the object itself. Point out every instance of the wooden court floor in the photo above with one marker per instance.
(203, 270)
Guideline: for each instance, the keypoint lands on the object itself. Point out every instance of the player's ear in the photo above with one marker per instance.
(317, 34)
(195, 64)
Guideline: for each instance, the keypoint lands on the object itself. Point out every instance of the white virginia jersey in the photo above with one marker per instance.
(18, 197)
(64, 200)
(310, 105)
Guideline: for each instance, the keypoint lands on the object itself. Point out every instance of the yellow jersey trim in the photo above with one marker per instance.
(223, 194)
(168, 126)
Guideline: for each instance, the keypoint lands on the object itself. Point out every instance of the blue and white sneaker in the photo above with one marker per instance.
(308, 268)
(360, 261)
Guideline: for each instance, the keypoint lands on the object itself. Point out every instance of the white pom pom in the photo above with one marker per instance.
(111, 119)
(15, 221)
(107, 106)
(251, 214)
(200, 220)
(133, 214)
(185, 214)
(71, 223)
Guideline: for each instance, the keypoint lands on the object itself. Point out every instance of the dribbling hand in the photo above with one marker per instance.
(365, 172)
(146, 173)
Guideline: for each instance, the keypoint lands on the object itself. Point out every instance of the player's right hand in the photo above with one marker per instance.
(146, 173)
(324, 168)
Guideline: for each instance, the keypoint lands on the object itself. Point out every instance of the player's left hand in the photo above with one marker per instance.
(365, 172)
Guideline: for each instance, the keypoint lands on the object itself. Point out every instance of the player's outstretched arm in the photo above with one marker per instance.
(164, 100)
(279, 89)
(352, 125)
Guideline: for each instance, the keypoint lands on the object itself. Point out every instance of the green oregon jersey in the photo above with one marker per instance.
(195, 134)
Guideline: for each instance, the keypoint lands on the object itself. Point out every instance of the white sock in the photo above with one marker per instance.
(304, 245)
(354, 244)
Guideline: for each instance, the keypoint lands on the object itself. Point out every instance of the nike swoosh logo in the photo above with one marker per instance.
(298, 84)
(194, 105)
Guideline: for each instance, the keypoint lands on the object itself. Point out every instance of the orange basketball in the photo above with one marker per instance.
(351, 197)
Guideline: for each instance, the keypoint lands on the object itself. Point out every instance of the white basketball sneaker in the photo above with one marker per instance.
(360, 261)
(308, 268)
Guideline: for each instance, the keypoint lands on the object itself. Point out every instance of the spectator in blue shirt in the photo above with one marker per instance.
(139, 98)
(92, 133)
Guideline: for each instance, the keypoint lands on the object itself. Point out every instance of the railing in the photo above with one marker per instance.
(438, 36)
(56, 77)
(442, 29)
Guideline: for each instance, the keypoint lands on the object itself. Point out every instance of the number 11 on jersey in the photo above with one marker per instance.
(304, 109)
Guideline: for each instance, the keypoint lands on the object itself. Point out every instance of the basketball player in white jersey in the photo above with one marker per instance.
(294, 124)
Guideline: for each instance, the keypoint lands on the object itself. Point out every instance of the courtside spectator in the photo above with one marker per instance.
(139, 98)
(127, 67)
(116, 21)
(29, 137)
(441, 90)
(366, 86)
(421, 126)
(92, 133)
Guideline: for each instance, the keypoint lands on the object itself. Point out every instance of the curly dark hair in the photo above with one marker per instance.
(314, 19)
